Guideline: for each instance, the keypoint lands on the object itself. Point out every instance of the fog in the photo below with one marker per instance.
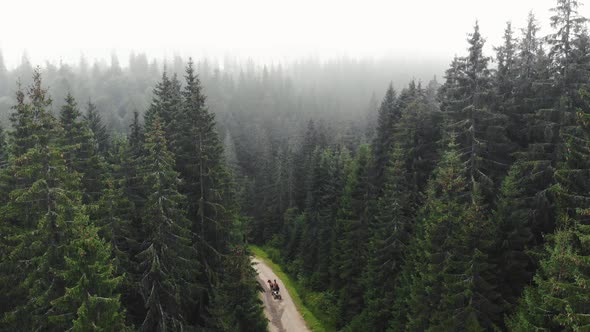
(410, 165)
(263, 30)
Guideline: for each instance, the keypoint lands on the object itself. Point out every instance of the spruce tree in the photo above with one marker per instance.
(382, 144)
(452, 285)
(506, 73)
(302, 163)
(166, 103)
(90, 300)
(80, 150)
(568, 24)
(97, 127)
(467, 99)
(46, 207)
(561, 280)
(391, 233)
(166, 251)
(354, 217)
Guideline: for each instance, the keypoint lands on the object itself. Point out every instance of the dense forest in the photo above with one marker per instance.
(467, 207)
(128, 195)
(103, 233)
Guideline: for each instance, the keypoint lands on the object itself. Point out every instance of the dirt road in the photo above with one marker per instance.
(282, 314)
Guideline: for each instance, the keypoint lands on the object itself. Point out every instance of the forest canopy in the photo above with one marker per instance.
(397, 200)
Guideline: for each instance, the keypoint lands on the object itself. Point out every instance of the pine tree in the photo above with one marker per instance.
(450, 287)
(119, 218)
(568, 24)
(90, 301)
(200, 158)
(80, 150)
(210, 204)
(302, 163)
(166, 251)
(166, 103)
(236, 306)
(506, 73)
(559, 297)
(388, 114)
(46, 207)
(515, 235)
(136, 136)
(354, 217)
(130, 160)
(97, 127)
(317, 239)
(467, 99)
(418, 132)
(390, 237)
(563, 275)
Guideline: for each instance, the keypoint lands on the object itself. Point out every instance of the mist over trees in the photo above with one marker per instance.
(128, 195)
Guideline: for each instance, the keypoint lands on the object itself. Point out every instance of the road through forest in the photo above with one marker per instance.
(282, 314)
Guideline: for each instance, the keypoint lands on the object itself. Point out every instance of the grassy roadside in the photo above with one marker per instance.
(294, 290)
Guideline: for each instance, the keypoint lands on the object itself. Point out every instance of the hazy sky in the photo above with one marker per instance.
(263, 29)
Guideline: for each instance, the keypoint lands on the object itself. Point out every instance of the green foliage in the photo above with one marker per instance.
(236, 304)
(451, 286)
(391, 233)
(561, 281)
(351, 252)
(166, 256)
(97, 127)
(80, 150)
(49, 225)
(90, 298)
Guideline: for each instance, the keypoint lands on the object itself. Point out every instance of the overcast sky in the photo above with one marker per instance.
(267, 30)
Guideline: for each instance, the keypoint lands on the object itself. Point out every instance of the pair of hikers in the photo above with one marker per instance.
(273, 286)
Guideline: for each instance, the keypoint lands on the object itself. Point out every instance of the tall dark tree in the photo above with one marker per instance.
(166, 251)
(568, 25)
(46, 209)
(97, 127)
(382, 144)
(467, 99)
(80, 150)
(210, 204)
(558, 299)
(391, 233)
(354, 218)
(507, 70)
(166, 103)
(452, 286)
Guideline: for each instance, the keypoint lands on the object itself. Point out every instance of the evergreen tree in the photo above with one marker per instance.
(166, 251)
(46, 209)
(90, 301)
(451, 287)
(80, 150)
(568, 24)
(390, 237)
(382, 144)
(302, 163)
(506, 55)
(97, 127)
(236, 306)
(559, 298)
(166, 103)
(467, 99)
(210, 205)
(354, 217)
(515, 235)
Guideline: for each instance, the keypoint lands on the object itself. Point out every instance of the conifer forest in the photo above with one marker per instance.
(131, 196)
